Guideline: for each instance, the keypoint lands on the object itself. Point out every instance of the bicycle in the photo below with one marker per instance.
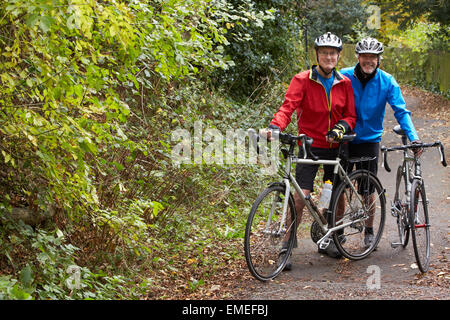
(410, 204)
(273, 217)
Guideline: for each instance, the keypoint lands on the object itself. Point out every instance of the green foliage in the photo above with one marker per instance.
(423, 69)
(408, 12)
(11, 289)
(422, 37)
(347, 19)
(89, 94)
(82, 103)
(417, 55)
(266, 50)
(68, 72)
(412, 23)
(49, 270)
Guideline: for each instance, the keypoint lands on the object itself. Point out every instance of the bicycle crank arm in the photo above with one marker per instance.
(325, 240)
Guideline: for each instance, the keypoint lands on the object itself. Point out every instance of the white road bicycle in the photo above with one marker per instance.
(410, 204)
(357, 201)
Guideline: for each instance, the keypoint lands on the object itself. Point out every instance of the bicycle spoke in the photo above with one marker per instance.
(400, 208)
(263, 239)
(420, 225)
(361, 211)
(373, 204)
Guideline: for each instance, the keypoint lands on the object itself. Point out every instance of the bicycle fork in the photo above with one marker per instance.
(287, 194)
(281, 227)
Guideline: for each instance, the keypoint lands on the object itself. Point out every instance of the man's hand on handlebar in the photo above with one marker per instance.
(336, 134)
(268, 133)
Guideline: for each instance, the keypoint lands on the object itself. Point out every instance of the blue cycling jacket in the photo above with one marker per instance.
(370, 104)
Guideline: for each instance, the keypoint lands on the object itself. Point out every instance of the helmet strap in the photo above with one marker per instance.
(326, 73)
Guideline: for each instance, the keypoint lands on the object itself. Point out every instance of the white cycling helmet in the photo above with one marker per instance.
(328, 40)
(369, 45)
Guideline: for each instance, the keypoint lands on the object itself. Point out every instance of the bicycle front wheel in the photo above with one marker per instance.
(265, 233)
(359, 207)
(400, 207)
(420, 225)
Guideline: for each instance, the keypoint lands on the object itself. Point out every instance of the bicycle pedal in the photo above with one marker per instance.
(324, 243)
(395, 244)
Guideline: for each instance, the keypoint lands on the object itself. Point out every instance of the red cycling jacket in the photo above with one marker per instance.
(316, 114)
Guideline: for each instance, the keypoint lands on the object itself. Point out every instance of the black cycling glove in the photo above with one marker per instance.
(338, 131)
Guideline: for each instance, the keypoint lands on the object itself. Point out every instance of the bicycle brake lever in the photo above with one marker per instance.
(307, 143)
(441, 151)
(385, 163)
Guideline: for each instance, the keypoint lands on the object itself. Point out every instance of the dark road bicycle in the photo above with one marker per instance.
(357, 200)
(410, 204)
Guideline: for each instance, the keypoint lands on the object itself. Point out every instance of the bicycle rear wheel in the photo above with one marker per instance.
(263, 239)
(400, 208)
(420, 225)
(361, 205)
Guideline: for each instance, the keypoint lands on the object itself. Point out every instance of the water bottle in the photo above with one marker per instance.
(326, 194)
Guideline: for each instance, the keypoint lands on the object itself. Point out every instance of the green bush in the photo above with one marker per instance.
(262, 52)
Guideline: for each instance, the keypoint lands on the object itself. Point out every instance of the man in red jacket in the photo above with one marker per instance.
(323, 99)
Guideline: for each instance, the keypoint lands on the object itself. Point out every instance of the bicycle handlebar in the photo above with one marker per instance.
(438, 144)
(290, 139)
(285, 138)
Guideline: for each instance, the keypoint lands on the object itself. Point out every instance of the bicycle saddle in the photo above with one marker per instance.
(398, 130)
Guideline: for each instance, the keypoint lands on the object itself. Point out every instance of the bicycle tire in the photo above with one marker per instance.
(402, 205)
(350, 241)
(420, 225)
(262, 243)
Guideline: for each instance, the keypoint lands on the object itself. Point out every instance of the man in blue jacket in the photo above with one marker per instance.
(373, 88)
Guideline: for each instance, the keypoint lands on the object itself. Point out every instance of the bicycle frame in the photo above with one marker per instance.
(406, 169)
(289, 178)
(271, 229)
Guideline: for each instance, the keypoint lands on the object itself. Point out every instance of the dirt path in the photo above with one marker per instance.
(315, 276)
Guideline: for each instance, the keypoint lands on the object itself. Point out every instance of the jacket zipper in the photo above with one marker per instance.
(329, 114)
(328, 104)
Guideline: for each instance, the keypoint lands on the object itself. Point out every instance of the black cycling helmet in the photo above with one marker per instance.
(369, 45)
(328, 40)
